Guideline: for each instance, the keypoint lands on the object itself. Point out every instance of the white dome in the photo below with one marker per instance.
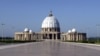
(30, 31)
(73, 30)
(50, 22)
(26, 29)
(69, 31)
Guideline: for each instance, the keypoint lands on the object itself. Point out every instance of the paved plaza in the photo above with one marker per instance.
(50, 48)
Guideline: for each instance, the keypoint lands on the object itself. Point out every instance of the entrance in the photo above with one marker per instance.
(50, 36)
(54, 36)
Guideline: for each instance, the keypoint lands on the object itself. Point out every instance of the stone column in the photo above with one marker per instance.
(41, 36)
(56, 36)
(79, 37)
(70, 37)
(52, 36)
(48, 36)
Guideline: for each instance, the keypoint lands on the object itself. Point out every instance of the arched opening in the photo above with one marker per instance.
(54, 36)
(50, 36)
(58, 35)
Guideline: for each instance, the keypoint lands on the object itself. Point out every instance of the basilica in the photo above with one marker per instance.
(50, 29)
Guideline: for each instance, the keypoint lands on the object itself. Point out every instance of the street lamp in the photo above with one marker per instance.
(13, 33)
(2, 31)
(98, 26)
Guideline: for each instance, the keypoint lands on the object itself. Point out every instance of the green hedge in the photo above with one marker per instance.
(15, 41)
(89, 40)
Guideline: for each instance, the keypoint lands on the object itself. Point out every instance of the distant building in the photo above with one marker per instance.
(50, 30)
(73, 35)
(26, 35)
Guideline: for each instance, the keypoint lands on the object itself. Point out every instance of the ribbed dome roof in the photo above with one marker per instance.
(50, 22)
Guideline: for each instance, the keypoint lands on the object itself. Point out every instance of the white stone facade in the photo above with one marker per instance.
(73, 35)
(50, 29)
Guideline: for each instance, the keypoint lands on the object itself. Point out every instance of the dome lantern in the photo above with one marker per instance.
(50, 14)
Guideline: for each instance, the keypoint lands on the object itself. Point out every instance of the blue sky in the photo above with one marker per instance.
(84, 15)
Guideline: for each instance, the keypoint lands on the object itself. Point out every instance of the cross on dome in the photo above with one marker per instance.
(50, 14)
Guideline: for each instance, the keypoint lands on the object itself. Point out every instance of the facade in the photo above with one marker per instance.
(50, 29)
(27, 35)
(73, 36)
